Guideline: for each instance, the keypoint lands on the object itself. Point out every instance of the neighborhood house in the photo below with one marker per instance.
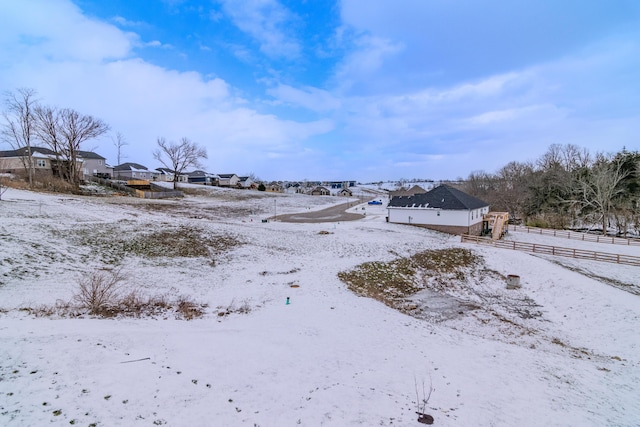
(444, 208)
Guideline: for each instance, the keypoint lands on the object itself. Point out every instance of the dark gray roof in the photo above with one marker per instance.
(226, 175)
(90, 155)
(21, 152)
(128, 166)
(441, 197)
(416, 189)
(198, 173)
(165, 170)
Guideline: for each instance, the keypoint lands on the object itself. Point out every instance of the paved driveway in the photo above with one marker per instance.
(331, 214)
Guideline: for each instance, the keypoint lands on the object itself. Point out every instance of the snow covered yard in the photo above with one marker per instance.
(327, 358)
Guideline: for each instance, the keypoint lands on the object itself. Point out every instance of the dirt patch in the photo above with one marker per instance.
(439, 285)
(404, 282)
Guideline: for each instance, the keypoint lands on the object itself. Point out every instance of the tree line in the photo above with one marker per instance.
(64, 130)
(567, 187)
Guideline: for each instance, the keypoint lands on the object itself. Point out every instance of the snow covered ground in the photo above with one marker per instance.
(327, 358)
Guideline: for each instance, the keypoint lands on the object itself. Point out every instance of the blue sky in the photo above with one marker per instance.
(352, 89)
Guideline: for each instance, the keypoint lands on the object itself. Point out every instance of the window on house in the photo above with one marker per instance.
(42, 163)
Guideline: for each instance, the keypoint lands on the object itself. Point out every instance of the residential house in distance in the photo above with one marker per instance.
(444, 208)
(14, 161)
(274, 187)
(246, 182)
(202, 177)
(339, 184)
(132, 171)
(228, 180)
(94, 165)
(46, 161)
(320, 191)
(416, 189)
(345, 192)
(166, 175)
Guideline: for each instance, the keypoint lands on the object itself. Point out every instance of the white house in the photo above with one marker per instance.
(94, 164)
(246, 182)
(133, 171)
(228, 180)
(444, 208)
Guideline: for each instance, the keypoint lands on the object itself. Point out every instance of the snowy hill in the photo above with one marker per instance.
(329, 357)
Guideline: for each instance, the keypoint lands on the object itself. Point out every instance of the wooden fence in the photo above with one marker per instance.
(576, 235)
(554, 250)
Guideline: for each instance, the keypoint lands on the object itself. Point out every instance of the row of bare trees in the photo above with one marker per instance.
(62, 130)
(567, 187)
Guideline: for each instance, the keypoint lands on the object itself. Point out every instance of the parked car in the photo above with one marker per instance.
(375, 202)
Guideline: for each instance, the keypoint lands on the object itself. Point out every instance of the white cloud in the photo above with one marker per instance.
(59, 30)
(308, 97)
(268, 22)
(123, 22)
(369, 54)
(77, 62)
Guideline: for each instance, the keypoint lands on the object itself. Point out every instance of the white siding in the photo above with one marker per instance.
(426, 216)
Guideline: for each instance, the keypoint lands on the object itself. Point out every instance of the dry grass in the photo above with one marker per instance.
(100, 294)
(391, 282)
(113, 242)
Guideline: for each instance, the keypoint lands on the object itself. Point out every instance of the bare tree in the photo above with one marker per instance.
(47, 129)
(3, 185)
(64, 130)
(179, 156)
(119, 142)
(598, 187)
(18, 127)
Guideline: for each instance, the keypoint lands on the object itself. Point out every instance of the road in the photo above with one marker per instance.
(331, 214)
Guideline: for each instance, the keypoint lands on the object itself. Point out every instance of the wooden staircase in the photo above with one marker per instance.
(497, 222)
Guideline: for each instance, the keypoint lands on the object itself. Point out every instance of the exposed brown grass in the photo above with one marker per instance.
(391, 282)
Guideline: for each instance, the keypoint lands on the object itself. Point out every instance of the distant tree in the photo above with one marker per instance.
(179, 156)
(253, 177)
(598, 188)
(47, 129)
(626, 210)
(18, 127)
(3, 185)
(512, 188)
(261, 187)
(119, 141)
(64, 131)
(77, 128)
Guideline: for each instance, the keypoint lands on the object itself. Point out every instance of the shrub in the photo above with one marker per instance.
(99, 291)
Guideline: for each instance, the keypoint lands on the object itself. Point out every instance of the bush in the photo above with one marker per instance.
(99, 291)
(261, 187)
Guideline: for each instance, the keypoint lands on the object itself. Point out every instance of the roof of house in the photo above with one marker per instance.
(441, 197)
(200, 173)
(90, 155)
(166, 171)
(129, 167)
(48, 152)
(416, 189)
(227, 175)
(21, 152)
